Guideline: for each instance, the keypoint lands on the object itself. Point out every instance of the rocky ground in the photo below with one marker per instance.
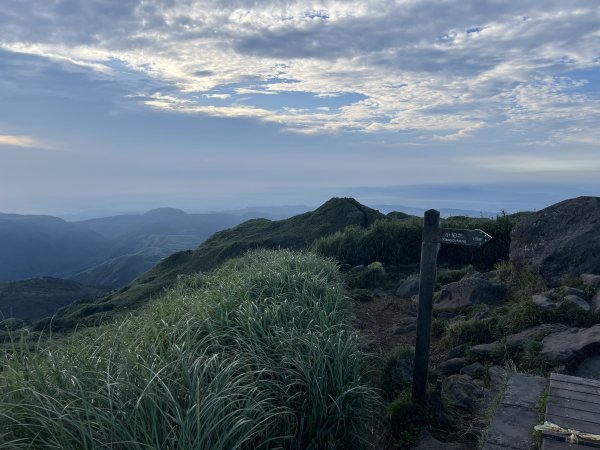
(538, 313)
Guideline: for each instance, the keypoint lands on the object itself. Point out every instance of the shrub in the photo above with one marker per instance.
(257, 354)
(372, 276)
(396, 372)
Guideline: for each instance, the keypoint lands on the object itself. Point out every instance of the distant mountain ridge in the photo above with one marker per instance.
(297, 232)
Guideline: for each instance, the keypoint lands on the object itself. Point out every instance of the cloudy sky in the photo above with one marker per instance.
(131, 104)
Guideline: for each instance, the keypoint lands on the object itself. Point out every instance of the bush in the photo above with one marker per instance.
(370, 277)
(396, 372)
(257, 354)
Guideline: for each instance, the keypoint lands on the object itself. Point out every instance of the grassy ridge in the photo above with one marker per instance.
(254, 355)
(295, 233)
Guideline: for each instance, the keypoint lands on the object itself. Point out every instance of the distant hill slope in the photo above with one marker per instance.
(41, 297)
(34, 246)
(295, 233)
(93, 251)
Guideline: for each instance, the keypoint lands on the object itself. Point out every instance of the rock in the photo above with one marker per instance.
(560, 241)
(359, 268)
(564, 291)
(497, 376)
(361, 295)
(543, 301)
(589, 368)
(409, 287)
(552, 299)
(452, 366)
(471, 291)
(482, 313)
(590, 279)
(486, 351)
(571, 345)
(463, 392)
(595, 302)
(457, 351)
(577, 301)
(516, 342)
(475, 370)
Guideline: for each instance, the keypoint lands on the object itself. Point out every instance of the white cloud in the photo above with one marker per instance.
(445, 69)
(22, 141)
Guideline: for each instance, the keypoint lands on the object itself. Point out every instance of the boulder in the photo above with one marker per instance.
(571, 345)
(471, 291)
(595, 302)
(453, 365)
(486, 351)
(560, 241)
(463, 392)
(590, 279)
(409, 287)
(516, 342)
(475, 370)
(552, 299)
(457, 351)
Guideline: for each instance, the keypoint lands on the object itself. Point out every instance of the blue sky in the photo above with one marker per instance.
(128, 105)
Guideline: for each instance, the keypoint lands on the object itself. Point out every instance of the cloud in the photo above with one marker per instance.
(21, 141)
(443, 70)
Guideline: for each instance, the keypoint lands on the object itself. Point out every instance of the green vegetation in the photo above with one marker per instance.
(368, 277)
(295, 233)
(257, 354)
(398, 242)
(40, 297)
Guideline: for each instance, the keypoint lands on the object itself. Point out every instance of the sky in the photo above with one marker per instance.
(118, 105)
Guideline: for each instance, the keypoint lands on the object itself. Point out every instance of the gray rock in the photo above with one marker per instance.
(577, 301)
(543, 301)
(463, 392)
(409, 287)
(560, 241)
(589, 368)
(471, 291)
(453, 365)
(486, 351)
(475, 370)
(595, 302)
(359, 268)
(569, 291)
(552, 299)
(497, 376)
(571, 345)
(516, 342)
(590, 279)
(457, 351)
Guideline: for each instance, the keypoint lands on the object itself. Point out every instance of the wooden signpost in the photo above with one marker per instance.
(433, 236)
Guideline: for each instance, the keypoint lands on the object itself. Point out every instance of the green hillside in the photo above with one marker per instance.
(269, 362)
(41, 297)
(297, 232)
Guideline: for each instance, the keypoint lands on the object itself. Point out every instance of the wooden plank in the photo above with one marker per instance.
(574, 387)
(588, 416)
(574, 404)
(574, 380)
(575, 424)
(582, 396)
(551, 444)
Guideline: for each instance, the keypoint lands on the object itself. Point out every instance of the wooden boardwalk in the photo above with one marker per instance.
(573, 403)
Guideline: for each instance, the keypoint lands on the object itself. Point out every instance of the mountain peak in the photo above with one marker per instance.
(165, 212)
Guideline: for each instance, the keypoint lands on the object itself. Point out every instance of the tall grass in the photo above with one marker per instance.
(254, 355)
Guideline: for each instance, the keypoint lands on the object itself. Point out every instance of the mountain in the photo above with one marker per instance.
(297, 232)
(41, 297)
(110, 251)
(35, 246)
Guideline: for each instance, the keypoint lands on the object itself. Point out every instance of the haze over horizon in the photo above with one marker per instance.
(212, 105)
